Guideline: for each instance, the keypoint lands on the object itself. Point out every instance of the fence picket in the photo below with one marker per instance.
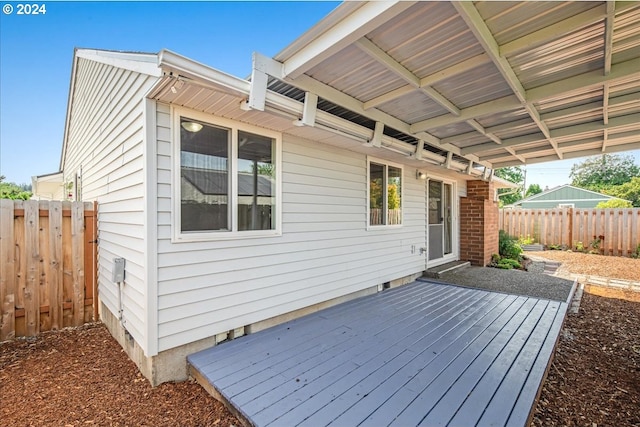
(47, 265)
(54, 266)
(562, 226)
(77, 250)
(8, 276)
(32, 261)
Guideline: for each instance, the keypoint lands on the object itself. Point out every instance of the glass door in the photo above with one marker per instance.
(439, 212)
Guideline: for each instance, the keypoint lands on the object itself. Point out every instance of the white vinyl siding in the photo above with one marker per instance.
(325, 250)
(105, 141)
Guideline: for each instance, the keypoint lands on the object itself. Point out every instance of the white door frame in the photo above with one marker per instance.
(455, 222)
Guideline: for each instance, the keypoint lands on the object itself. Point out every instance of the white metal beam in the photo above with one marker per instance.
(623, 71)
(378, 131)
(479, 28)
(608, 36)
(398, 69)
(572, 155)
(617, 124)
(594, 79)
(501, 105)
(308, 84)
(430, 80)
(346, 31)
(309, 110)
(382, 57)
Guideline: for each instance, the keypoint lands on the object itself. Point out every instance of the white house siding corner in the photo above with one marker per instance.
(103, 160)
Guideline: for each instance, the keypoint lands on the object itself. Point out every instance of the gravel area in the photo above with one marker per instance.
(592, 264)
(511, 281)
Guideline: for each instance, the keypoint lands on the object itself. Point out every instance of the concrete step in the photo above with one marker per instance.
(437, 272)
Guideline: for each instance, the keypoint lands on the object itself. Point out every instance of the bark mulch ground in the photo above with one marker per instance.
(594, 379)
(81, 377)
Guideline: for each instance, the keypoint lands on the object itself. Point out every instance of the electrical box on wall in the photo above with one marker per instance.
(118, 270)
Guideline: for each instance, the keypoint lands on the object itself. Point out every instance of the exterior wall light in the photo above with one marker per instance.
(191, 126)
(421, 175)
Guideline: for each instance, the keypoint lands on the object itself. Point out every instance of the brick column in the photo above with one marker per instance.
(478, 223)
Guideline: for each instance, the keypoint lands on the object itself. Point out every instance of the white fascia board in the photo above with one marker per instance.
(345, 32)
(145, 63)
(171, 62)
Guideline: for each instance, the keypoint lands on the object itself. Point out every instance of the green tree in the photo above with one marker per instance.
(614, 203)
(602, 172)
(513, 174)
(533, 190)
(10, 190)
(627, 191)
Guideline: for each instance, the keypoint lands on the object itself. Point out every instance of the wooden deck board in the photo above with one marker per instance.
(421, 354)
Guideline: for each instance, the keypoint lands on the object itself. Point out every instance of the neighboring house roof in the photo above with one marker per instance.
(564, 194)
(212, 182)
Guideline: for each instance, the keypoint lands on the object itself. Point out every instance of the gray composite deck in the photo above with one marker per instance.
(424, 354)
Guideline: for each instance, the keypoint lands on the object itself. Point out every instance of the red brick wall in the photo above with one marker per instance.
(478, 223)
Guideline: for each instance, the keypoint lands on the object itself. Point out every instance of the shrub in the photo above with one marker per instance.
(508, 264)
(508, 247)
(526, 240)
(636, 254)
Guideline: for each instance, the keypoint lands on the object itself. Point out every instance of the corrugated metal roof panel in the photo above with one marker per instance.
(626, 35)
(574, 54)
(510, 20)
(480, 85)
(355, 73)
(413, 107)
(451, 130)
(418, 38)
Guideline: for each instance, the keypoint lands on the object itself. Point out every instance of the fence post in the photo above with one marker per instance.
(570, 217)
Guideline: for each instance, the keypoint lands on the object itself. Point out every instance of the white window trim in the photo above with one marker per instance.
(403, 184)
(235, 126)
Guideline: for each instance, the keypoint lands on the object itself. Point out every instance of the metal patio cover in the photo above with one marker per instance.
(488, 84)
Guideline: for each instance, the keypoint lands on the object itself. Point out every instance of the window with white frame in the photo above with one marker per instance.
(385, 194)
(228, 179)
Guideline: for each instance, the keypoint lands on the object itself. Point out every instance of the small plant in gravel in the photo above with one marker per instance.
(636, 254)
(526, 240)
(510, 252)
(508, 264)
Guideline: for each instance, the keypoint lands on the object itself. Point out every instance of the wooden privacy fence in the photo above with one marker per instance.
(48, 266)
(609, 231)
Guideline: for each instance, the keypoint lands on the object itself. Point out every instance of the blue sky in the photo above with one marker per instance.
(36, 54)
